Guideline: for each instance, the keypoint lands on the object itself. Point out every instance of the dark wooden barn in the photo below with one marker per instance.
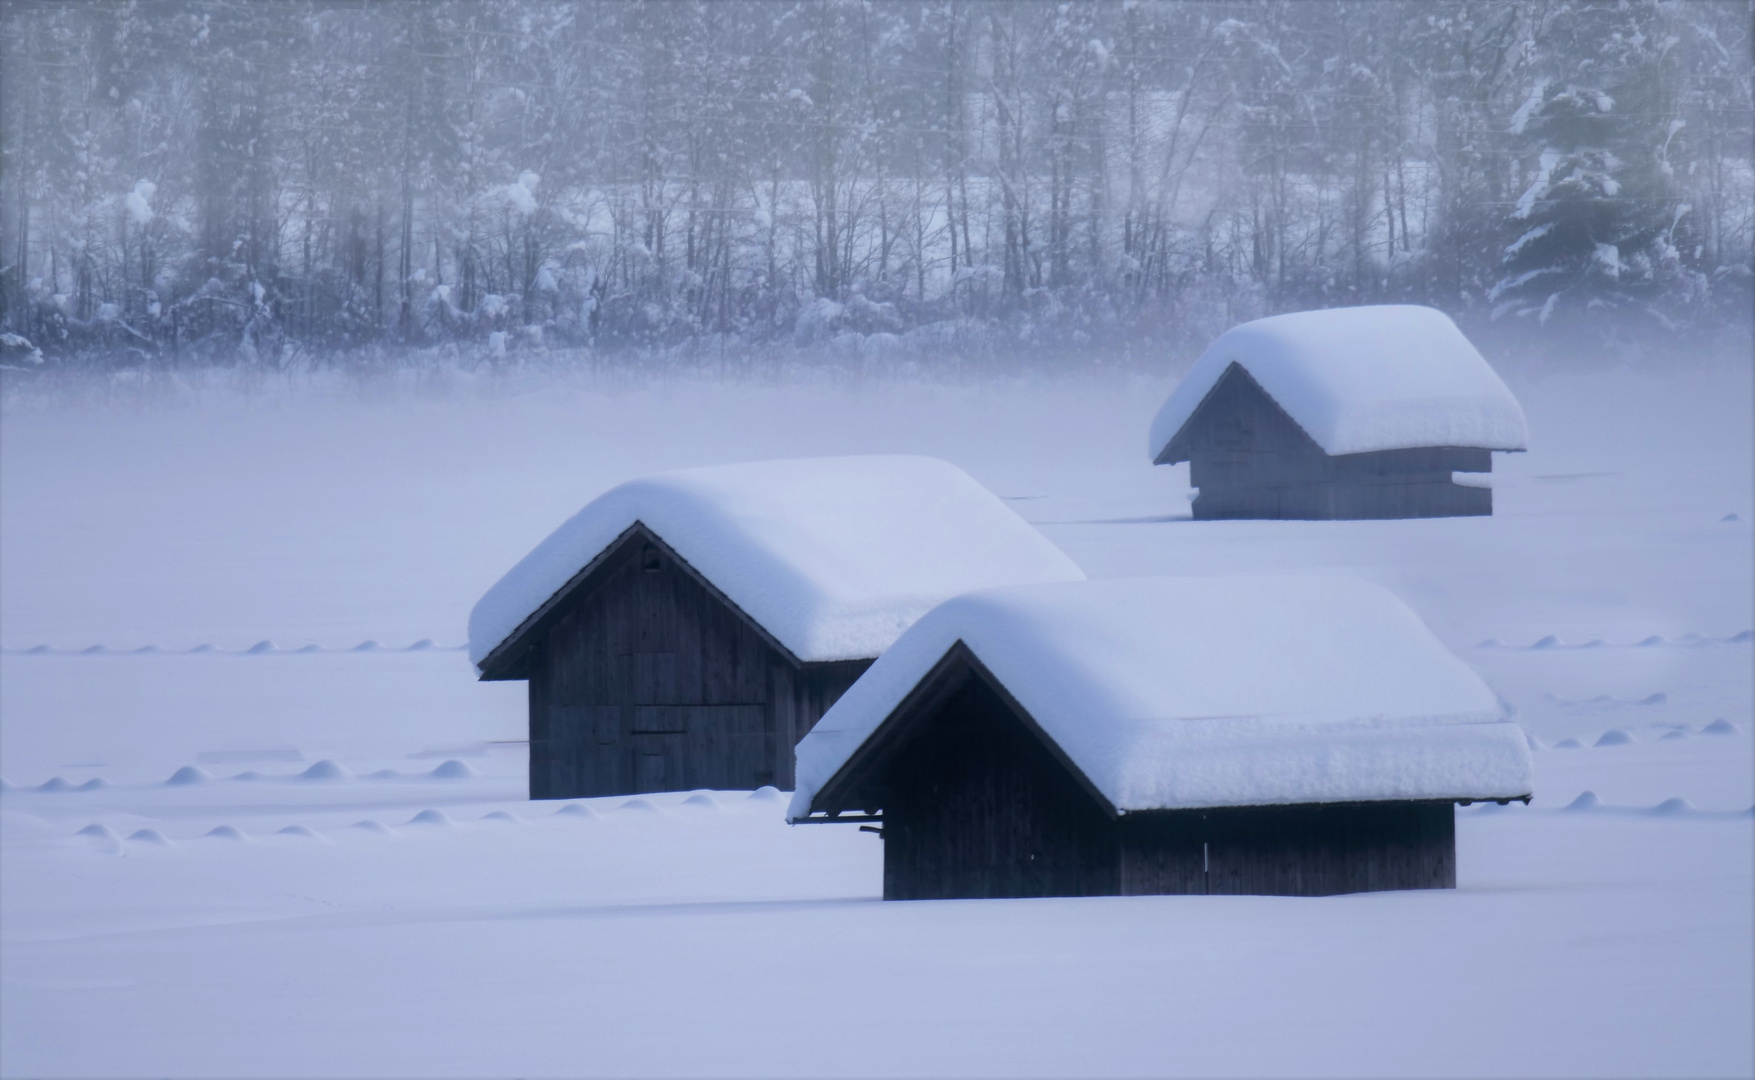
(651, 670)
(977, 798)
(1376, 410)
(1251, 460)
(645, 677)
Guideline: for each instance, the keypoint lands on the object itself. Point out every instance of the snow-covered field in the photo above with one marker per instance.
(344, 877)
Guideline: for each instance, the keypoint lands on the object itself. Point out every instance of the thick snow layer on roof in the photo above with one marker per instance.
(834, 557)
(1361, 379)
(1217, 691)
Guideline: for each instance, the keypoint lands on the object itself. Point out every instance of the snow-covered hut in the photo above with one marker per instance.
(1271, 735)
(1364, 412)
(684, 630)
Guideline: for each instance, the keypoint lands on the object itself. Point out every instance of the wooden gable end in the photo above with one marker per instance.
(866, 778)
(644, 677)
(1238, 417)
(512, 658)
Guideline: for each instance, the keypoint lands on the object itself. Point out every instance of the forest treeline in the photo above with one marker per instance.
(272, 183)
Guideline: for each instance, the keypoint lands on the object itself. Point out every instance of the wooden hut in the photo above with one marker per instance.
(685, 630)
(1270, 735)
(1366, 412)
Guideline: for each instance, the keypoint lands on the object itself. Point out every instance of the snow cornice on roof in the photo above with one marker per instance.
(831, 557)
(1361, 379)
(1174, 693)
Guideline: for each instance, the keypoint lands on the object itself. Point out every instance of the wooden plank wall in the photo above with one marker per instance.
(977, 807)
(651, 683)
(1304, 850)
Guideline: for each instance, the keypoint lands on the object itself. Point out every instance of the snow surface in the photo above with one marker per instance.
(1359, 379)
(833, 556)
(1171, 693)
(1608, 592)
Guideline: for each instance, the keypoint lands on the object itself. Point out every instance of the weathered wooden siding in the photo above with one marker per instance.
(1251, 460)
(647, 681)
(1318, 849)
(975, 805)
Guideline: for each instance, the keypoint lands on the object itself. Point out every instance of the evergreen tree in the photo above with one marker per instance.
(1594, 232)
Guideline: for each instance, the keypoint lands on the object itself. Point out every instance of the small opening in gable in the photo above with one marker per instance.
(649, 558)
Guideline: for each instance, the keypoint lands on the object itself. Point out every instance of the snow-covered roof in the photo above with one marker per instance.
(1360, 379)
(834, 557)
(1216, 691)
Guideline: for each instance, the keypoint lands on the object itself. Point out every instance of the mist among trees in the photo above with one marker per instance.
(200, 182)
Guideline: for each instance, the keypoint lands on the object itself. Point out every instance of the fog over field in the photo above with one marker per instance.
(317, 318)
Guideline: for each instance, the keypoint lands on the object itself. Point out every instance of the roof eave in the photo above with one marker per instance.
(938, 683)
(506, 661)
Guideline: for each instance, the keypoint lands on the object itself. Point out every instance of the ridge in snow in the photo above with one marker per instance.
(1172, 693)
(834, 557)
(1360, 379)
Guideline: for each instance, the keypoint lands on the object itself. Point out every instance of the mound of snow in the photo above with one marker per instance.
(1671, 736)
(55, 783)
(576, 810)
(1360, 379)
(97, 831)
(225, 832)
(1548, 642)
(1652, 640)
(260, 647)
(149, 836)
(296, 830)
(501, 815)
(325, 770)
(834, 557)
(767, 793)
(1216, 691)
(421, 646)
(366, 646)
(188, 774)
(639, 806)
(1586, 801)
(96, 783)
(1721, 726)
(1569, 744)
(452, 769)
(701, 801)
(430, 817)
(1658, 698)
(1614, 737)
(1673, 806)
(369, 825)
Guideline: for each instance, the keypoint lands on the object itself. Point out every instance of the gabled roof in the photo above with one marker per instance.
(833, 557)
(1360, 379)
(1169, 693)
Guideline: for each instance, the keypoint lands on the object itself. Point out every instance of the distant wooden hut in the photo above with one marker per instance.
(685, 630)
(1366, 412)
(1292, 736)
